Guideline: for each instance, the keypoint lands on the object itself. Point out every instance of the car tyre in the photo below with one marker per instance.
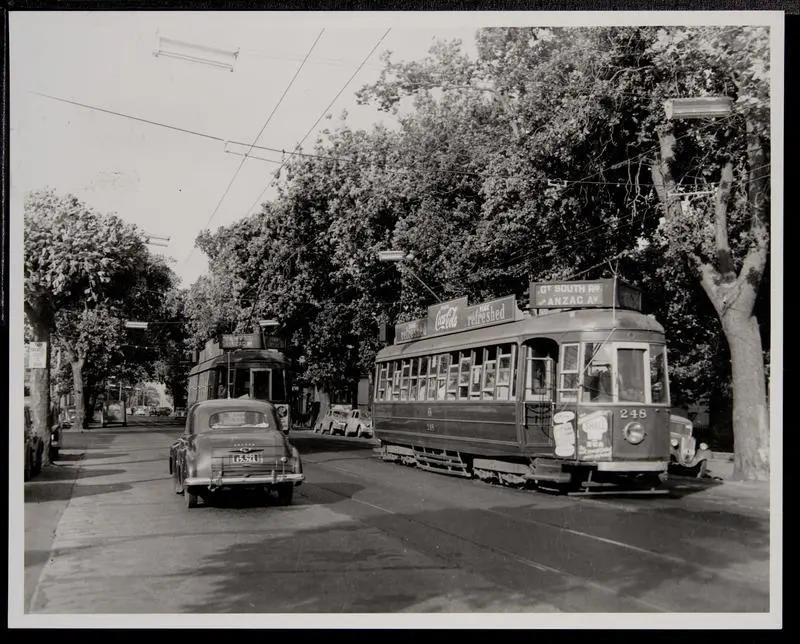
(285, 493)
(190, 496)
(177, 481)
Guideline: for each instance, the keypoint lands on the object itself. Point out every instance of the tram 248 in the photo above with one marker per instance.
(575, 397)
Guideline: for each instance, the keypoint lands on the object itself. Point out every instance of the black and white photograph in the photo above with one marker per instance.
(441, 319)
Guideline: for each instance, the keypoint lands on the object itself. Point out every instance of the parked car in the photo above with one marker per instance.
(358, 423)
(68, 417)
(233, 444)
(686, 457)
(179, 412)
(140, 411)
(163, 411)
(34, 447)
(334, 420)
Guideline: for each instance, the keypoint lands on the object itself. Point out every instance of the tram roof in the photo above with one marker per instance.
(550, 324)
(241, 357)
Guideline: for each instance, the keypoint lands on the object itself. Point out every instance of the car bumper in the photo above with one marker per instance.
(226, 481)
(633, 466)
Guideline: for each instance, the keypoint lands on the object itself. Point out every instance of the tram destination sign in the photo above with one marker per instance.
(241, 341)
(455, 316)
(602, 293)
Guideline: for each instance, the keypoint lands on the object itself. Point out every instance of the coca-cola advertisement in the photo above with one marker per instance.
(447, 317)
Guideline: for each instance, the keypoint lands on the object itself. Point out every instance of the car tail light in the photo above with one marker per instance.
(634, 433)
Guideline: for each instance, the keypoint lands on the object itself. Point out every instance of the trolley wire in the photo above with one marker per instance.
(277, 172)
(257, 137)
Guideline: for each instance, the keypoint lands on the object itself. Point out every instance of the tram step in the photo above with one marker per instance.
(442, 470)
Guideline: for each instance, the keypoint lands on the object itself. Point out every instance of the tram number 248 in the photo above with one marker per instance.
(633, 413)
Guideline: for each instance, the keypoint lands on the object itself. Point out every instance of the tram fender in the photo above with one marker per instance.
(501, 466)
(548, 470)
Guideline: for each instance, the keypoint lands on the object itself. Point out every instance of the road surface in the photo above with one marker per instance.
(364, 536)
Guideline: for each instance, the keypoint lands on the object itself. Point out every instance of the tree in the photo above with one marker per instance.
(726, 238)
(84, 272)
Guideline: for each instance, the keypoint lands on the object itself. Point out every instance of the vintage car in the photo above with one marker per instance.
(233, 443)
(358, 423)
(67, 417)
(333, 421)
(686, 457)
(179, 412)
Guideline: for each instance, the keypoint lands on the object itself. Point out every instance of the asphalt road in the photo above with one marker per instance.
(363, 536)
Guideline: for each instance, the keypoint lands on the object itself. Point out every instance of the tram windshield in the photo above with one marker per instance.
(261, 383)
(626, 372)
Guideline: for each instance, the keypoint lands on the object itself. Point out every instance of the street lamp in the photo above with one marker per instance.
(173, 48)
(398, 257)
(698, 107)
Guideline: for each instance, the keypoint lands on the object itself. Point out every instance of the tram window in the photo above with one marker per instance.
(442, 376)
(463, 375)
(538, 375)
(505, 372)
(568, 392)
(659, 392)
(433, 365)
(452, 381)
(597, 381)
(279, 392)
(412, 383)
(396, 381)
(489, 379)
(630, 375)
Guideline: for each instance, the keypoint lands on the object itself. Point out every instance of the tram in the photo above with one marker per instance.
(243, 366)
(574, 398)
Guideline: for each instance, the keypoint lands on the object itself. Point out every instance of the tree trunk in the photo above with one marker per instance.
(750, 410)
(40, 385)
(77, 390)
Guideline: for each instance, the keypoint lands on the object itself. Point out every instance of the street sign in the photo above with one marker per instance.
(37, 355)
(135, 325)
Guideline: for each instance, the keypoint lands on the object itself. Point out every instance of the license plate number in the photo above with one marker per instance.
(246, 458)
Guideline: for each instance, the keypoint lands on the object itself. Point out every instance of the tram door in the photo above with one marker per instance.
(538, 394)
(261, 383)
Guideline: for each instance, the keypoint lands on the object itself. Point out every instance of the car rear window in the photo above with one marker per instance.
(229, 419)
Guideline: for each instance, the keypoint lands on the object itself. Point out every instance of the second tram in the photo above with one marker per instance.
(573, 399)
(239, 367)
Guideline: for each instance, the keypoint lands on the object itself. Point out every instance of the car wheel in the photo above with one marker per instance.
(190, 495)
(285, 493)
(177, 481)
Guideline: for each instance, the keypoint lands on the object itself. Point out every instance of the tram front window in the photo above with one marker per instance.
(597, 382)
(630, 375)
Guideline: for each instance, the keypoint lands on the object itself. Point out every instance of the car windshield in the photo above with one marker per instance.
(233, 419)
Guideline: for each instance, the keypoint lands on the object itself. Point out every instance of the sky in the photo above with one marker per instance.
(168, 182)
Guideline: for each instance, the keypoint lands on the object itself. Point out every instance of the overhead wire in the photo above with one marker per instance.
(321, 116)
(257, 137)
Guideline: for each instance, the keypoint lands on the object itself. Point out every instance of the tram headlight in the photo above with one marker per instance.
(634, 433)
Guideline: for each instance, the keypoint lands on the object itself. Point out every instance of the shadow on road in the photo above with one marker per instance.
(67, 491)
(333, 568)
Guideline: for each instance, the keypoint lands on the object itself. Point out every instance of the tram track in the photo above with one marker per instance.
(495, 550)
(708, 572)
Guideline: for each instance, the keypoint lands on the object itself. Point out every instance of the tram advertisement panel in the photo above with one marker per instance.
(594, 435)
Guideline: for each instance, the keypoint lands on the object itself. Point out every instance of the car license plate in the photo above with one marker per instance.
(246, 459)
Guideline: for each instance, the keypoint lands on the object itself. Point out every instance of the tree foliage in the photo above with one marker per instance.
(534, 160)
